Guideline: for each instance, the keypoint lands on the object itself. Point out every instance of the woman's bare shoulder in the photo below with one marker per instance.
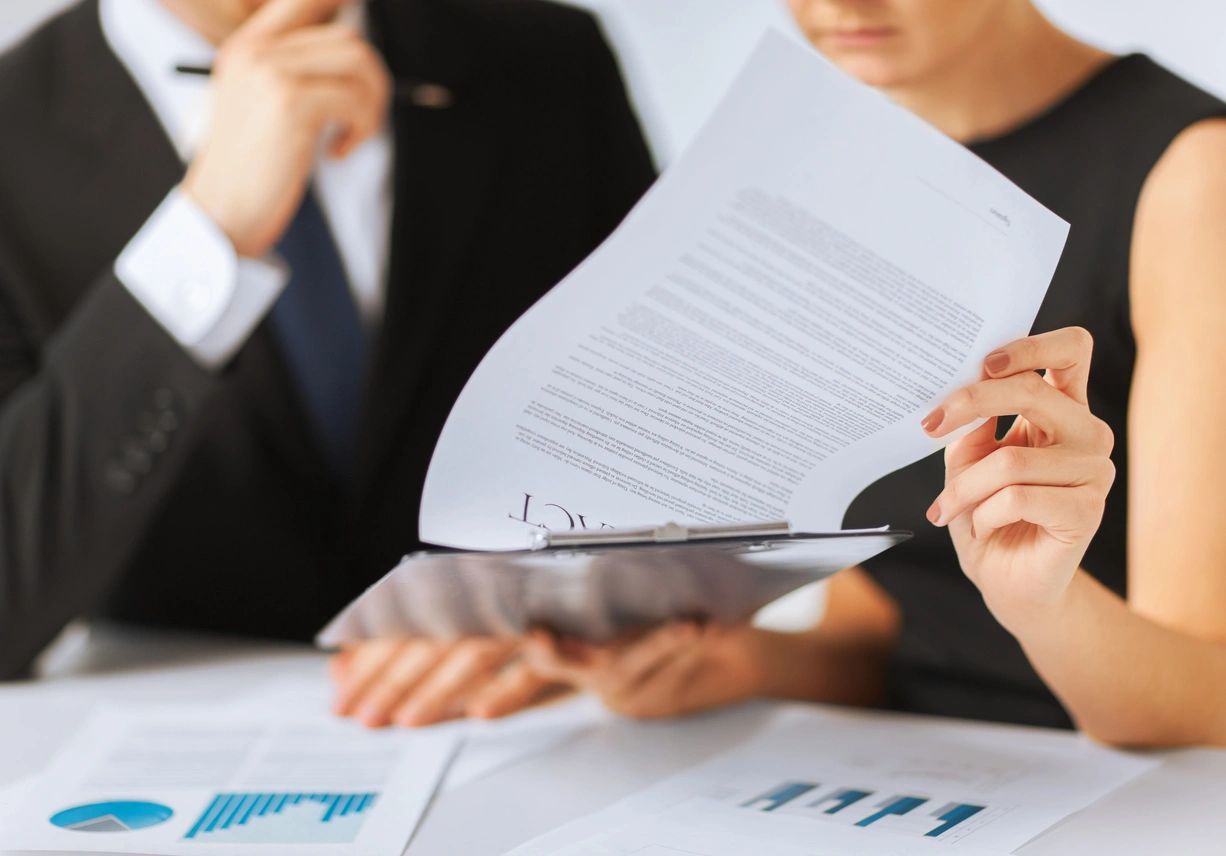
(1179, 238)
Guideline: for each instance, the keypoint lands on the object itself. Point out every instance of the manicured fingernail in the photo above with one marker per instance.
(933, 420)
(996, 362)
(934, 514)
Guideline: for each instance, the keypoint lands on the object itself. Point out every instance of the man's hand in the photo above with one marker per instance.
(283, 83)
(416, 682)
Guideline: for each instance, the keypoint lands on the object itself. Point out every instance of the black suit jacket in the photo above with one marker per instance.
(135, 484)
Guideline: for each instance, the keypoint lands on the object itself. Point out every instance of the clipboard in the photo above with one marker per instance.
(601, 585)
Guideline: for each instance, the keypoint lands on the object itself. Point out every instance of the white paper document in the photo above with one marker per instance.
(486, 745)
(490, 746)
(184, 781)
(820, 781)
(762, 336)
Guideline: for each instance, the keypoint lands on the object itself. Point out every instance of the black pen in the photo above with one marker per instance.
(434, 96)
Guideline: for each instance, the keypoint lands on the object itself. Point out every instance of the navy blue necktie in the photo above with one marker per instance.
(320, 333)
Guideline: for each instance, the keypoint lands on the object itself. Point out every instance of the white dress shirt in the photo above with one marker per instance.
(180, 266)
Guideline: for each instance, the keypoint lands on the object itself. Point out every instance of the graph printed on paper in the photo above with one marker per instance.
(282, 818)
(845, 797)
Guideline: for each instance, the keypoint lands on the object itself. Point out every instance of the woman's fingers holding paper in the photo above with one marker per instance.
(1069, 516)
(1064, 354)
(1058, 417)
(972, 448)
(1020, 465)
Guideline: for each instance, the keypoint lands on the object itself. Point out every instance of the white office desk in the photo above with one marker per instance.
(1177, 808)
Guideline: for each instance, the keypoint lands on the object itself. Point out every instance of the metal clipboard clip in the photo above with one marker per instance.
(669, 533)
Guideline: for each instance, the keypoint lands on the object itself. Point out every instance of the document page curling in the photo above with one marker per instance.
(761, 337)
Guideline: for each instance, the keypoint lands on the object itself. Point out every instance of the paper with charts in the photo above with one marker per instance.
(180, 781)
(761, 337)
(821, 781)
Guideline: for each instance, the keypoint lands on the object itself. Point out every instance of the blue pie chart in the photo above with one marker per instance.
(116, 816)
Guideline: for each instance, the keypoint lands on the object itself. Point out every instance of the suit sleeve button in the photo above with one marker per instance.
(163, 398)
(136, 459)
(120, 480)
(157, 441)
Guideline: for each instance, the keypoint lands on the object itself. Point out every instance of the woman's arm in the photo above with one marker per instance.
(1152, 671)
(1128, 680)
(843, 658)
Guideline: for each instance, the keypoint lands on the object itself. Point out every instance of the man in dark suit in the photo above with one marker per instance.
(235, 314)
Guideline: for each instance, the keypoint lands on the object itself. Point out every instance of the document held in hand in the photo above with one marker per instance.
(759, 340)
(762, 336)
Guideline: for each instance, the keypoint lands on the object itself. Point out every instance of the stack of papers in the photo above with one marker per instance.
(260, 777)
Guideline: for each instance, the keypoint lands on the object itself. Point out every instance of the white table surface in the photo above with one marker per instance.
(1176, 808)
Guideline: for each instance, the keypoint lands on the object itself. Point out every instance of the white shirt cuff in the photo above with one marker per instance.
(183, 269)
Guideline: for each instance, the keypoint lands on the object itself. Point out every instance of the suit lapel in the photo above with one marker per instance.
(445, 164)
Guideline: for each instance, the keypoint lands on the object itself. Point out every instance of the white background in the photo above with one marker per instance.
(679, 54)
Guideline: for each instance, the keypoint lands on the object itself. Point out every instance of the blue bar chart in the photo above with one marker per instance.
(840, 799)
(952, 815)
(780, 796)
(893, 806)
(282, 818)
(868, 808)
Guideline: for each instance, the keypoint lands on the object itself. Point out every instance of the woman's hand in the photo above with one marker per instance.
(415, 682)
(1022, 510)
(674, 670)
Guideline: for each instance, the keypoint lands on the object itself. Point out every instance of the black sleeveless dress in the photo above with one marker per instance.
(1086, 159)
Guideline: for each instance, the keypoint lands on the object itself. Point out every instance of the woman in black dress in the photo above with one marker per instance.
(1010, 607)
(1025, 597)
